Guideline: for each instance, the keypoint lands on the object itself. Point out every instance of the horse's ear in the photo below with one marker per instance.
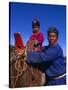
(18, 41)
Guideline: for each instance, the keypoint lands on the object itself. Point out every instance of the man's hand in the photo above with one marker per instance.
(36, 49)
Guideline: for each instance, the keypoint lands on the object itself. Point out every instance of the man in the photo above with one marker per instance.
(50, 59)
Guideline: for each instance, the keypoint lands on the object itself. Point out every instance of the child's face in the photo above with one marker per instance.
(35, 29)
(52, 37)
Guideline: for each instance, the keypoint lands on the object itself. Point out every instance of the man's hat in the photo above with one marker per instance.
(35, 23)
(54, 30)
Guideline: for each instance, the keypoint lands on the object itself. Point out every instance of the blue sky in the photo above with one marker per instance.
(22, 15)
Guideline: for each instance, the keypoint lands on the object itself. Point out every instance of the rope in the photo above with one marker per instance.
(18, 67)
(19, 70)
(18, 59)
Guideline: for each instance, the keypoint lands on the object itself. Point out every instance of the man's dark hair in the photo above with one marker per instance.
(53, 30)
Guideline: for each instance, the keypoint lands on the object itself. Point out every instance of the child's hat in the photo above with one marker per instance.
(35, 22)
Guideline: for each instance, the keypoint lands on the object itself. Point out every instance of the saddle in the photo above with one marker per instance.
(18, 41)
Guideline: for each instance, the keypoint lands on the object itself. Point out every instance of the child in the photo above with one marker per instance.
(36, 36)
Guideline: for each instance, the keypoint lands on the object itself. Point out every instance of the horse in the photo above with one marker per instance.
(22, 74)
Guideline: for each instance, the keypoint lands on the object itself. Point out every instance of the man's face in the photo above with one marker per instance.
(52, 38)
(35, 29)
